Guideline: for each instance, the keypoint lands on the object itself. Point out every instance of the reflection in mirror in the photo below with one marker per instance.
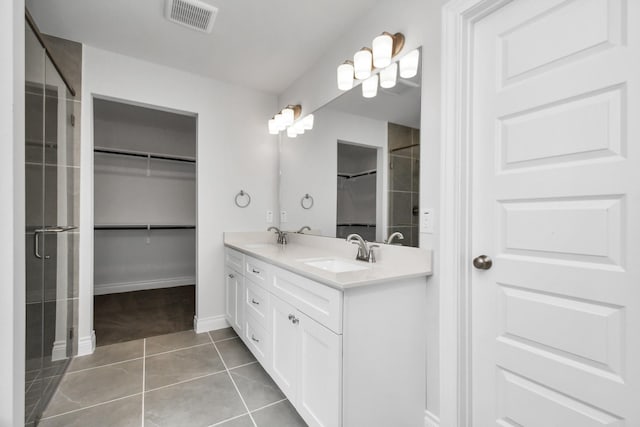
(361, 165)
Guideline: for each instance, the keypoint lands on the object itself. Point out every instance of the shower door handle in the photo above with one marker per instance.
(36, 237)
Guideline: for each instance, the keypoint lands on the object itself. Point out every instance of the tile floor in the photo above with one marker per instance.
(179, 380)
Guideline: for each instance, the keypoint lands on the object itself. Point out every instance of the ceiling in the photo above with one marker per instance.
(260, 44)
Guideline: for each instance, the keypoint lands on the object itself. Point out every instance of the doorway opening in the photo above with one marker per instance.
(357, 191)
(145, 221)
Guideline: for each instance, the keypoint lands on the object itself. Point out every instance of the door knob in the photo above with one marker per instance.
(482, 262)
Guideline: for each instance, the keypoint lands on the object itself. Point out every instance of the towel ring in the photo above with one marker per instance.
(242, 194)
(306, 202)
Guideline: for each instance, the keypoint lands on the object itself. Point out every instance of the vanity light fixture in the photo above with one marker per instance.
(385, 47)
(389, 76)
(370, 87)
(409, 64)
(362, 63)
(289, 118)
(375, 66)
(345, 75)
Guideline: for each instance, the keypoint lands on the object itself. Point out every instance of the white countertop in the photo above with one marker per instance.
(393, 262)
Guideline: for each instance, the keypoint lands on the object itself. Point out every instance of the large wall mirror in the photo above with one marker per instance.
(358, 170)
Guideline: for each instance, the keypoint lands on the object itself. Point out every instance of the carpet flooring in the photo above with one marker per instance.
(129, 316)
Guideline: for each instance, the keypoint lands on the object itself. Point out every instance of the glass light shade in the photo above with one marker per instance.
(287, 116)
(299, 127)
(362, 64)
(273, 127)
(409, 64)
(279, 121)
(345, 76)
(370, 87)
(308, 122)
(291, 132)
(382, 50)
(388, 76)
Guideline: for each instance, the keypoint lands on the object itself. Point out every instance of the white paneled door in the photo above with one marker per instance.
(556, 207)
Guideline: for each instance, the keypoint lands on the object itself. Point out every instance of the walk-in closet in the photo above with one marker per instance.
(145, 221)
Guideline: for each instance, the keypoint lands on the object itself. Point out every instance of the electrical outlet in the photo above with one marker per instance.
(428, 221)
(269, 217)
(283, 216)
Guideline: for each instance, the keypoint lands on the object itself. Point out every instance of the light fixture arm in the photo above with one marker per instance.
(398, 42)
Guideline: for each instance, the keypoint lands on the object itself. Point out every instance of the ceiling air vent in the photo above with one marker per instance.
(191, 13)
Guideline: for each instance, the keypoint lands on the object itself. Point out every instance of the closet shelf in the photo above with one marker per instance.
(356, 224)
(142, 227)
(357, 175)
(143, 155)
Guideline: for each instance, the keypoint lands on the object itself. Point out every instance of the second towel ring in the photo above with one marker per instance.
(306, 202)
(242, 193)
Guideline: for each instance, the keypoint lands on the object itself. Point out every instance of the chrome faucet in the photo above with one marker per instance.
(282, 236)
(304, 227)
(365, 251)
(397, 235)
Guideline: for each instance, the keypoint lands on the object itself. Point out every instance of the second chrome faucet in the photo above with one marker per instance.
(365, 250)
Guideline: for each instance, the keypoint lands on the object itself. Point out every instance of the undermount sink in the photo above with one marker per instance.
(335, 265)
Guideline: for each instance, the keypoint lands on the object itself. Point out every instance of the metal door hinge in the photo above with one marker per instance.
(73, 120)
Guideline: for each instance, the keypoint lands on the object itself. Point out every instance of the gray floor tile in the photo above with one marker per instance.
(81, 389)
(244, 421)
(170, 368)
(121, 413)
(175, 341)
(234, 353)
(278, 415)
(223, 334)
(200, 402)
(256, 386)
(108, 354)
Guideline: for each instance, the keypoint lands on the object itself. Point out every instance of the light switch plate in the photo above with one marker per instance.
(428, 221)
(269, 217)
(283, 216)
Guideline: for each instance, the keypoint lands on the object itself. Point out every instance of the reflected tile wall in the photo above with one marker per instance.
(404, 182)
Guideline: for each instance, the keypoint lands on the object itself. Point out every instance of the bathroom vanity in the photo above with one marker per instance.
(343, 339)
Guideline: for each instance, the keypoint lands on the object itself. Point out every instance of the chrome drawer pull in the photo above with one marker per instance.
(254, 338)
(255, 271)
(294, 319)
(254, 302)
(231, 276)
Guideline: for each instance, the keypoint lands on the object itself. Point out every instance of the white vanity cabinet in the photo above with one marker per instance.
(343, 357)
(234, 289)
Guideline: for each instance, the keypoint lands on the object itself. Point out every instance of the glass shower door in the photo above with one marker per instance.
(51, 214)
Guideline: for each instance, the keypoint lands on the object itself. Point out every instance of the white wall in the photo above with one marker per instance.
(234, 151)
(309, 164)
(420, 22)
(12, 291)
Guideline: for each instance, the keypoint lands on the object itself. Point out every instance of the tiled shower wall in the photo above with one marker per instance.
(404, 182)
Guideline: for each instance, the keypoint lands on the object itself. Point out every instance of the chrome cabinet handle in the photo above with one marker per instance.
(255, 271)
(254, 338)
(291, 317)
(294, 319)
(231, 276)
(255, 302)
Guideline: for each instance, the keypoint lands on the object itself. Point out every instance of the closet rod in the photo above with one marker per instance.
(356, 225)
(144, 155)
(356, 175)
(144, 227)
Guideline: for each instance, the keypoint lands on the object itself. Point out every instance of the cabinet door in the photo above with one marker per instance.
(320, 374)
(284, 347)
(230, 285)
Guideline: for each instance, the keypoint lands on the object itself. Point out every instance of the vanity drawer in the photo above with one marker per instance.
(320, 302)
(234, 259)
(257, 339)
(258, 271)
(257, 302)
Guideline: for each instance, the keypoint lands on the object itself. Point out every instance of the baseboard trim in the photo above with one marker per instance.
(87, 345)
(59, 351)
(431, 420)
(114, 288)
(207, 324)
